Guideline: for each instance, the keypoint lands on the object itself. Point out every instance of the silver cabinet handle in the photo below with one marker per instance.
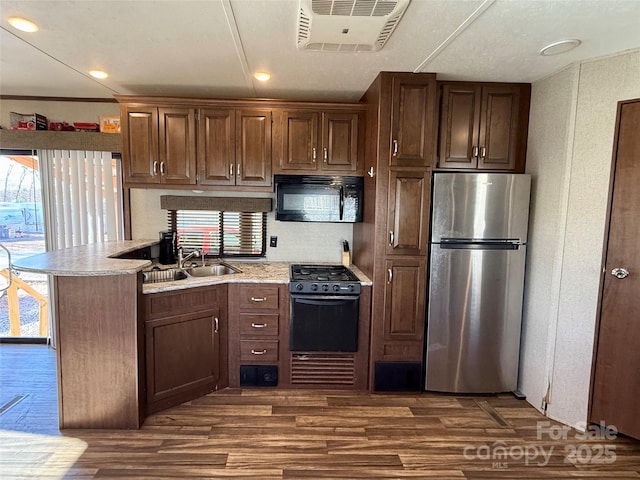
(620, 272)
(483, 152)
(238, 169)
(258, 325)
(395, 148)
(474, 152)
(370, 172)
(391, 238)
(162, 169)
(155, 168)
(314, 154)
(258, 352)
(216, 325)
(326, 154)
(390, 272)
(258, 299)
(231, 170)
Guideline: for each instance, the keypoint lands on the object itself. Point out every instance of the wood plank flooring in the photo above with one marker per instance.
(298, 434)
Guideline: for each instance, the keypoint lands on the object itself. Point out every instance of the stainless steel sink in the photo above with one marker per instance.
(210, 270)
(167, 275)
(158, 275)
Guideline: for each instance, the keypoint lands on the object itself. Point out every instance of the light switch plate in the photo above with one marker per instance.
(273, 241)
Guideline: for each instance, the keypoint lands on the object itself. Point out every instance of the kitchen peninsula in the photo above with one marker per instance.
(106, 374)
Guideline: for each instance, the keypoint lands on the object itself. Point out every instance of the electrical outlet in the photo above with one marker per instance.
(273, 241)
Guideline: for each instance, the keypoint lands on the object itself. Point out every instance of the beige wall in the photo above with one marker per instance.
(569, 156)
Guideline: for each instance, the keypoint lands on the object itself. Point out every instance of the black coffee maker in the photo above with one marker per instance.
(167, 247)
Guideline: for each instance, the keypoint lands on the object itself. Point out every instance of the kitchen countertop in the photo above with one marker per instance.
(84, 260)
(250, 272)
(98, 259)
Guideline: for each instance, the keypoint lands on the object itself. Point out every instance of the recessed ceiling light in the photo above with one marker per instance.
(98, 74)
(562, 46)
(23, 24)
(262, 76)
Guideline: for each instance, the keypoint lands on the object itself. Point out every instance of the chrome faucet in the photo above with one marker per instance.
(181, 259)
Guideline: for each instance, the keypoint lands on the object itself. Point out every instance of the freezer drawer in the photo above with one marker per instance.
(474, 316)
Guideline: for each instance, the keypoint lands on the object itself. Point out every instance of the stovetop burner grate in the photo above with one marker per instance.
(335, 279)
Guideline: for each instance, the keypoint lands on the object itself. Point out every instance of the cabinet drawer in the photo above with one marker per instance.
(254, 297)
(259, 324)
(252, 351)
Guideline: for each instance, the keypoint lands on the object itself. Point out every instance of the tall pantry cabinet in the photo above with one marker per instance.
(390, 245)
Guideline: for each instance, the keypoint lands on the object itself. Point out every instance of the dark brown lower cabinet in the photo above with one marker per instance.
(185, 350)
(397, 349)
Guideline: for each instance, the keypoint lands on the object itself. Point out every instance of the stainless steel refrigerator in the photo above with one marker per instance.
(478, 249)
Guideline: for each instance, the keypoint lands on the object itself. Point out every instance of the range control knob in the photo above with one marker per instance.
(336, 288)
(299, 286)
(325, 287)
(314, 287)
(351, 287)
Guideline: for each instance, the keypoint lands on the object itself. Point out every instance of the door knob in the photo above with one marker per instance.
(620, 272)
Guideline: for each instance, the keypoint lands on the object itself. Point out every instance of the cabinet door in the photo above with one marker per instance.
(459, 126)
(340, 141)
(182, 354)
(253, 147)
(177, 145)
(216, 148)
(140, 144)
(408, 212)
(499, 137)
(300, 149)
(404, 299)
(413, 121)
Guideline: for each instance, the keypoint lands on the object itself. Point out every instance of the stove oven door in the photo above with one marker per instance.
(323, 323)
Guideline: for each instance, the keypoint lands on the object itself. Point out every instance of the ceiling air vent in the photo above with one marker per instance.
(348, 25)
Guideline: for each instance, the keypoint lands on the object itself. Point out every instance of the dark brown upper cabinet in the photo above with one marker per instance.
(140, 144)
(234, 147)
(177, 145)
(413, 103)
(319, 142)
(483, 126)
(253, 147)
(216, 146)
(159, 145)
(408, 212)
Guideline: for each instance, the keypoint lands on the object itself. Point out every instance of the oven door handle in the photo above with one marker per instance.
(323, 300)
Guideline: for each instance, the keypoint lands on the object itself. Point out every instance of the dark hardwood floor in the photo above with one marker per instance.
(276, 434)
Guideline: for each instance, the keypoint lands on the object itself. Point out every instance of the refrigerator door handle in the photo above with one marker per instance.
(479, 245)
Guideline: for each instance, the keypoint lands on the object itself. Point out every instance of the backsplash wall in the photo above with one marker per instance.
(297, 241)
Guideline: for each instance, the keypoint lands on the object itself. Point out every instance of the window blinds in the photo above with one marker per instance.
(220, 233)
(83, 197)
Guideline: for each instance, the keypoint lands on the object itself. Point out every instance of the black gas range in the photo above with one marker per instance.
(323, 279)
(324, 309)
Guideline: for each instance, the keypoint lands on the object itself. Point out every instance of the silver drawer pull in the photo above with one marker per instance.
(258, 299)
(258, 352)
(258, 325)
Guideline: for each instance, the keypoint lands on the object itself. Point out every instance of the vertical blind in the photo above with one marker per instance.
(82, 196)
(220, 233)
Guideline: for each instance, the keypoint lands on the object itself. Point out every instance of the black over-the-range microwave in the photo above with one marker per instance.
(318, 198)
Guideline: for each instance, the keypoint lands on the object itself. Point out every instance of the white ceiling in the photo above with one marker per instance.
(211, 48)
